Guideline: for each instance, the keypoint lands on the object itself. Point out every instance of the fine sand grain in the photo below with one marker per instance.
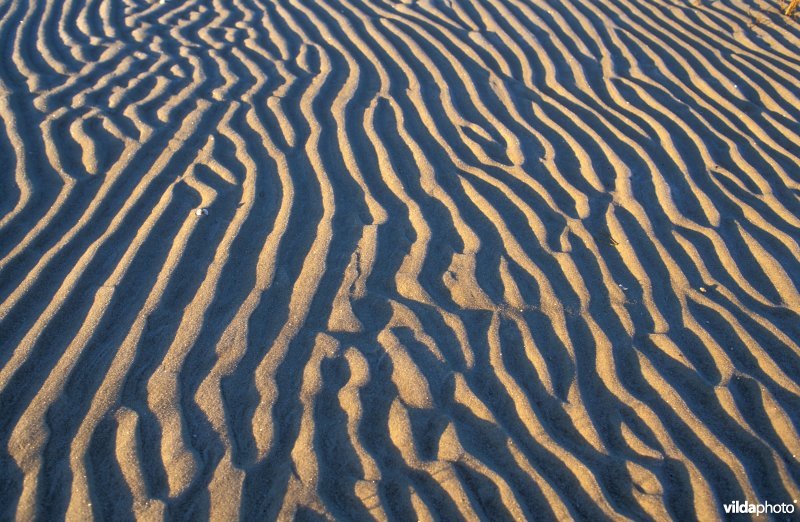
(368, 259)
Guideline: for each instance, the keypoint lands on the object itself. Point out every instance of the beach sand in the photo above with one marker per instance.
(368, 259)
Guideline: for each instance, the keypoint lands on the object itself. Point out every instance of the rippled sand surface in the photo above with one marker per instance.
(462, 259)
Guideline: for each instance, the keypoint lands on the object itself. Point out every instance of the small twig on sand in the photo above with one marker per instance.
(792, 6)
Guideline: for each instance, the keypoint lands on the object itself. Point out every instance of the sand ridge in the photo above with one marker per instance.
(462, 259)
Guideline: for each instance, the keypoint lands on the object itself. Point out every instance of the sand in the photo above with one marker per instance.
(367, 259)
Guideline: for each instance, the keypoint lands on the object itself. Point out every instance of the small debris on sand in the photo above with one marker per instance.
(201, 212)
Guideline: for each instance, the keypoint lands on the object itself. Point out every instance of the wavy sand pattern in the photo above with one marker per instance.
(463, 259)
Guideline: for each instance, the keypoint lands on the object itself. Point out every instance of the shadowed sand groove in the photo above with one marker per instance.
(462, 259)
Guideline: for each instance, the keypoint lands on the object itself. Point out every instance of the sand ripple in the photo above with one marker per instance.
(462, 259)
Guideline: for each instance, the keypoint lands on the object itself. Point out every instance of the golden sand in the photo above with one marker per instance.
(368, 259)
